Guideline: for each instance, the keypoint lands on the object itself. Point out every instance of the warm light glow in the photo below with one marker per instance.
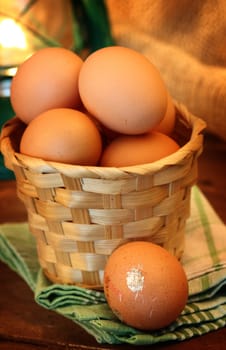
(11, 34)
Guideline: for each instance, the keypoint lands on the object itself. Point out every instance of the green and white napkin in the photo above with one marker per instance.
(204, 261)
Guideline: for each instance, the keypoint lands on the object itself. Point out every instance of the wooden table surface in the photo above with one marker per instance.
(25, 325)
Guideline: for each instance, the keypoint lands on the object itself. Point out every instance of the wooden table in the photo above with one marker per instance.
(25, 325)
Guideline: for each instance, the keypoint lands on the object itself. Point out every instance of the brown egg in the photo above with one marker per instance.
(62, 135)
(129, 150)
(123, 90)
(47, 79)
(145, 286)
(167, 124)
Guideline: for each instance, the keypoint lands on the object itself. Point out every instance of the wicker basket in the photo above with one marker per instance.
(79, 215)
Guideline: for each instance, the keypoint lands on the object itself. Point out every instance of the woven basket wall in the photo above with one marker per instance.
(79, 215)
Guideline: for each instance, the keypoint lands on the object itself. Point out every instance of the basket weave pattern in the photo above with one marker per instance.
(79, 215)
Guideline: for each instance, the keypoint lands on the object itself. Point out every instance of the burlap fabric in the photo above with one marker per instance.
(186, 41)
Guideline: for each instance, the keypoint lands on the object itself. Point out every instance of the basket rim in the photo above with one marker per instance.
(42, 166)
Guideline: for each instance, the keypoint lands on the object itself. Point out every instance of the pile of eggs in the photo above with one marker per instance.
(110, 109)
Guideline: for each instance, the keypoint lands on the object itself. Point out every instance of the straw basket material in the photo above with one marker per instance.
(79, 214)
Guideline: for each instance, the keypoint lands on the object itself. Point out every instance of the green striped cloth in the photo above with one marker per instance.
(204, 262)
